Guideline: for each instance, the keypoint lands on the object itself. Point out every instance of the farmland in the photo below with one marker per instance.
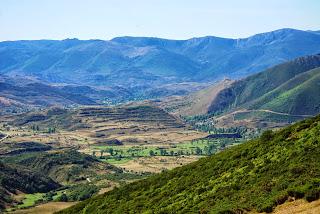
(102, 147)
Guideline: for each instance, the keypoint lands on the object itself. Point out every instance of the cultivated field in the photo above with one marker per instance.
(129, 142)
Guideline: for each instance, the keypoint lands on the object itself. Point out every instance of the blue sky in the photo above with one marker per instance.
(174, 19)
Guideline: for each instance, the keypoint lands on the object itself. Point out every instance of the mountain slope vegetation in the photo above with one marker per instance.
(257, 175)
(266, 88)
(290, 97)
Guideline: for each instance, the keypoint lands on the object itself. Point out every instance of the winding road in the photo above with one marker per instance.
(5, 137)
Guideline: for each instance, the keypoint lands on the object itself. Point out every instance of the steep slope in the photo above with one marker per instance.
(278, 89)
(141, 61)
(301, 98)
(257, 175)
(196, 103)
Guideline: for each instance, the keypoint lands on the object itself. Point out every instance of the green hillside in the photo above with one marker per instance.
(63, 166)
(14, 178)
(287, 84)
(257, 175)
(303, 98)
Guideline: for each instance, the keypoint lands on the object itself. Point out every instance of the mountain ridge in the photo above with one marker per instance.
(159, 61)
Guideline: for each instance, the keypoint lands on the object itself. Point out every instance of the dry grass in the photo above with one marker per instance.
(299, 207)
(296, 207)
(156, 164)
(48, 208)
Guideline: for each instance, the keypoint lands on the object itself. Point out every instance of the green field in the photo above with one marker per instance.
(30, 200)
(200, 147)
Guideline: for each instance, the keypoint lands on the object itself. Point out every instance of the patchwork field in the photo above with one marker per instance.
(101, 147)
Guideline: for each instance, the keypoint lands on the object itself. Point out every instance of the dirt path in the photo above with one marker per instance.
(4, 138)
(280, 113)
(262, 110)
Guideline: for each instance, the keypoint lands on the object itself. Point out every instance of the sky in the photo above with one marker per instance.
(172, 19)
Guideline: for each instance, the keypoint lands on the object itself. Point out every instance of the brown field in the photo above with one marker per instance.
(48, 208)
(142, 125)
(83, 127)
(297, 207)
(156, 164)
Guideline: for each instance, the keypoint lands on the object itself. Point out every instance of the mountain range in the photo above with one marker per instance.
(148, 62)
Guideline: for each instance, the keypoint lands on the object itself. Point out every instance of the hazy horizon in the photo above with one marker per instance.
(179, 20)
(153, 37)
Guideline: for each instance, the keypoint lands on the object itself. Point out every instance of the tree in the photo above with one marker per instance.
(110, 150)
(212, 149)
(151, 153)
(198, 151)
(163, 152)
(266, 136)
(63, 197)
(51, 130)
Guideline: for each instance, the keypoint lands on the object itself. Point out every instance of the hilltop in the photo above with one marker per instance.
(255, 176)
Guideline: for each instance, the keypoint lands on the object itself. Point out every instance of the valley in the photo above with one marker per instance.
(107, 146)
(104, 147)
(217, 183)
(151, 125)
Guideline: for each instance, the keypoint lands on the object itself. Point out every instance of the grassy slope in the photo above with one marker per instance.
(301, 99)
(250, 90)
(256, 175)
(299, 95)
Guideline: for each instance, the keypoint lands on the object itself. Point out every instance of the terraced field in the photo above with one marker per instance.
(93, 130)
